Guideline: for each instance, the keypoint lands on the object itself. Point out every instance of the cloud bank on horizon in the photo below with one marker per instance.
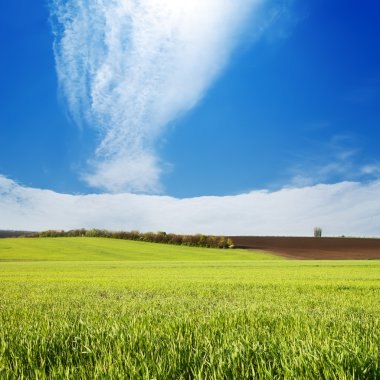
(128, 68)
(346, 208)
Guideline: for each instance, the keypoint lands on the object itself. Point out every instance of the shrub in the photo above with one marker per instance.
(159, 237)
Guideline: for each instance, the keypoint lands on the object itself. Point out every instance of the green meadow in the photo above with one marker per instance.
(93, 308)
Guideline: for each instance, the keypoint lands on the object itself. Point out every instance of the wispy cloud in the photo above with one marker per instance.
(347, 208)
(371, 169)
(337, 159)
(128, 68)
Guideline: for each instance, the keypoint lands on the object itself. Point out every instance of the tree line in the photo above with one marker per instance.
(198, 240)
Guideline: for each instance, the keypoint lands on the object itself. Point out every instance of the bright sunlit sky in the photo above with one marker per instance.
(189, 99)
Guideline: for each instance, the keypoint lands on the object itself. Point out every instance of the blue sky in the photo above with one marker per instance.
(205, 98)
(298, 105)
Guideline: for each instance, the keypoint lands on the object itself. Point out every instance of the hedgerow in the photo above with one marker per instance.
(199, 240)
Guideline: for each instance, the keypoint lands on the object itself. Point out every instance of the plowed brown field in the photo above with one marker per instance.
(310, 248)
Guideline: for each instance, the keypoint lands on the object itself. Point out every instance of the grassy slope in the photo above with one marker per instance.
(100, 249)
(167, 312)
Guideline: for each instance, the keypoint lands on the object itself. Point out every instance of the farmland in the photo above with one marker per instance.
(101, 308)
(310, 248)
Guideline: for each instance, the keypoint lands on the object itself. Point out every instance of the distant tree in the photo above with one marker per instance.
(317, 232)
(158, 237)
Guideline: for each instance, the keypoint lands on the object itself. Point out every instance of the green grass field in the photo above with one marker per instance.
(87, 308)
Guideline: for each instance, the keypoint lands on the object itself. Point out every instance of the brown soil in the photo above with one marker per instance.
(310, 248)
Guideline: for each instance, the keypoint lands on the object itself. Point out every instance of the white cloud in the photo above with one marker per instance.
(335, 160)
(373, 169)
(130, 67)
(347, 208)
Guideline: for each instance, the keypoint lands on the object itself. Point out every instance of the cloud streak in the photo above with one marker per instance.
(128, 68)
(346, 208)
